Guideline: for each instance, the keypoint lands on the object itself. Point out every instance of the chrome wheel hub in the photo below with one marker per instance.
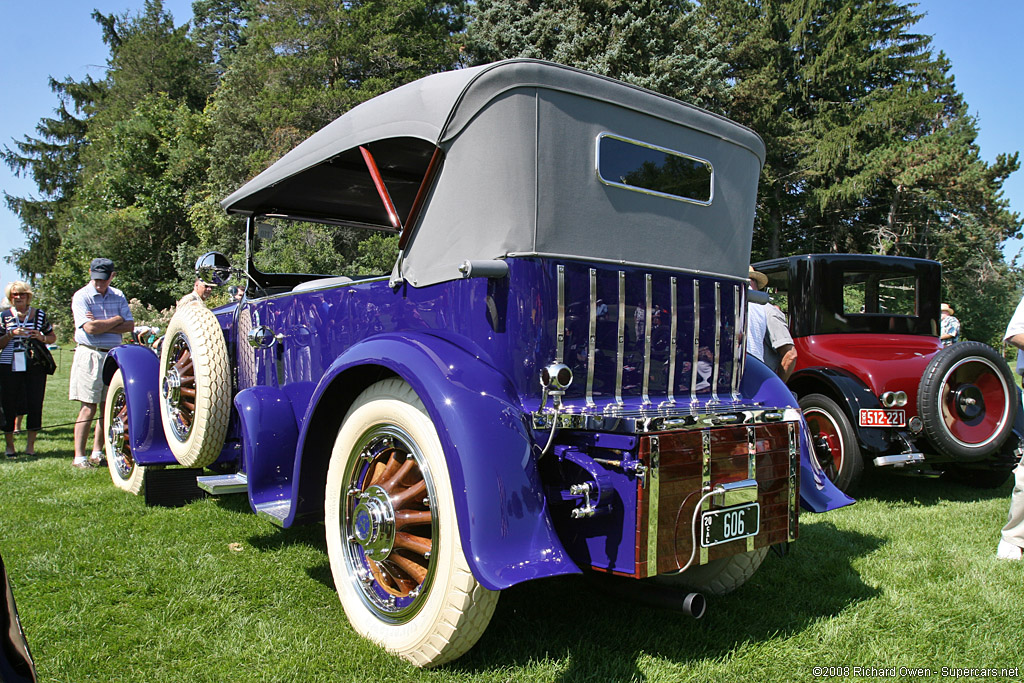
(373, 523)
(969, 401)
(118, 437)
(116, 433)
(171, 388)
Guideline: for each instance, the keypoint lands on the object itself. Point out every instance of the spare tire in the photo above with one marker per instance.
(967, 401)
(717, 577)
(195, 386)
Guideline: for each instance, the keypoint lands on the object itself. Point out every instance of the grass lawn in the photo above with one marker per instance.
(112, 590)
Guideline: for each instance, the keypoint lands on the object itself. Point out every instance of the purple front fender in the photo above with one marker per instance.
(506, 530)
(140, 368)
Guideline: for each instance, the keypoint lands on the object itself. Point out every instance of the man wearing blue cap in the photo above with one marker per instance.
(101, 316)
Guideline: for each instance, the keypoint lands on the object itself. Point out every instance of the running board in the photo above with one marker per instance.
(899, 460)
(221, 484)
(276, 511)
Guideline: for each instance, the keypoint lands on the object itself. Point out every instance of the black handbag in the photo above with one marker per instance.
(39, 357)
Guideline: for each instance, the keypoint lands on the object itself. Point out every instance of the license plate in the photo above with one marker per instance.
(878, 417)
(729, 524)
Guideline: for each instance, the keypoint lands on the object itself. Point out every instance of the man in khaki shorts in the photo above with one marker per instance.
(101, 316)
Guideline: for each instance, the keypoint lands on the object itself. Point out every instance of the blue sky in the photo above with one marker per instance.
(980, 38)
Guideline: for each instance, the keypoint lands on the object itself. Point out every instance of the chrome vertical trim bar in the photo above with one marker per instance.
(794, 484)
(653, 494)
(737, 337)
(696, 343)
(743, 337)
(751, 468)
(560, 332)
(672, 344)
(621, 351)
(718, 342)
(592, 338)
(648, 314)
(705, 477)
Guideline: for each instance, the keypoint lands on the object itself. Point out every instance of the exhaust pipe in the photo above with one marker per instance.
(691, 604)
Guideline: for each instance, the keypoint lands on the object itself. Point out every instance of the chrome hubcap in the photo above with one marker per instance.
(118, 437)
(373, 523)
(171, 388)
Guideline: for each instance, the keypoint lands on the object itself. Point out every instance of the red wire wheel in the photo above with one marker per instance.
(967, 401)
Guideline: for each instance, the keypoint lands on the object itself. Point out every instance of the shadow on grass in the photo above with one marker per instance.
(52, 442)
(896, 487)
(304, 534)
(602, 636)
(275, 538)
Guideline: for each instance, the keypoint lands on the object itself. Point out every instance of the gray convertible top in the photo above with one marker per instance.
(519, 175)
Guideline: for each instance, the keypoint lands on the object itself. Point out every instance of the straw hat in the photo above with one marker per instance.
(946, 308)
(760, 278)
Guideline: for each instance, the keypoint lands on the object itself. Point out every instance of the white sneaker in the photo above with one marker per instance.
(1008, 551)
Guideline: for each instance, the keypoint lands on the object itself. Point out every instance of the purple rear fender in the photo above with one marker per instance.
(506, 531)
(817, 493)
(140, 368)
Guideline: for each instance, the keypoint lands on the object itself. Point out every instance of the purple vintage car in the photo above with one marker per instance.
(550, 381)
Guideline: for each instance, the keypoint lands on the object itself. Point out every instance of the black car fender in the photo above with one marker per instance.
(851, 394)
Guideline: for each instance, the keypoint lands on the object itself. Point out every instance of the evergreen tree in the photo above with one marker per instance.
(668, 47)
(303, 63)
(218, 28)
(870, 146)
(149, 55)
(143, 157)
(53, 161)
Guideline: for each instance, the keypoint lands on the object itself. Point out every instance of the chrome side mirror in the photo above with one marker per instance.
(214, 268)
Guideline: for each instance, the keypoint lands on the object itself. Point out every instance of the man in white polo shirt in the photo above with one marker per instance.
(101, 316)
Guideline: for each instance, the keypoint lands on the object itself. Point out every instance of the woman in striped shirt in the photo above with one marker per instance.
(22, 388)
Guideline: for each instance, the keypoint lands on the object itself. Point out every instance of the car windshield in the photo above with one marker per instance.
(285, 246)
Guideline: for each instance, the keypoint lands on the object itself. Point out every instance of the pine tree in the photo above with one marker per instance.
(667, 47)
(870, 146)
(53, 161)
(142, 157)
(219, 28)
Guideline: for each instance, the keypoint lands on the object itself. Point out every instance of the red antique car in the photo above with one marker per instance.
(876, 385)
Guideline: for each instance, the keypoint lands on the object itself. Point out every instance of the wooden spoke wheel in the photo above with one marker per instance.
(195, 386)
(393, 535)
(126, 474)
